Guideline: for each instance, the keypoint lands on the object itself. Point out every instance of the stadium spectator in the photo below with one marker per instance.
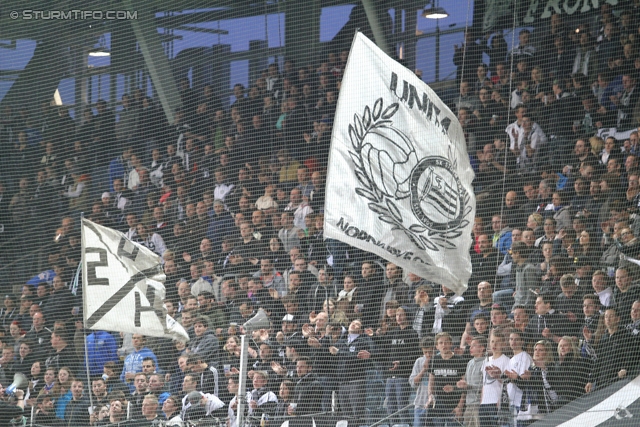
(133, 362)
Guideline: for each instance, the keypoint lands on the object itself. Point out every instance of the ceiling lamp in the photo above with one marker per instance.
(435, 13)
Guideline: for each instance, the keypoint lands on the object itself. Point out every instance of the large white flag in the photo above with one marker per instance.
(123, 285)
(399, 178)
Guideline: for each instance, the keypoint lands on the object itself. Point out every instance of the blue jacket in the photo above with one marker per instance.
(61, 404)
(133, 363)
(504, 242)
(101, 348)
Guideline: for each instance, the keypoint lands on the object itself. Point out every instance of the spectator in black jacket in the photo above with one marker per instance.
(45, 414)
(402, 349)
(60, 302)
(62, 354)
(371, 292)
(307, 394)
(206, 374)
(617, 353)
(547, 324)
(324, 362)
(354, 353)
(77, 410)
(625, 294)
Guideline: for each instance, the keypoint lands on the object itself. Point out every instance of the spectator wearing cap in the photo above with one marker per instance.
(294, 348)
(196, 404)
(289, 326)
(584, 271)
(205, 343)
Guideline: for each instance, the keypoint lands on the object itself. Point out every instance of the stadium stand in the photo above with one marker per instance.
(231, 196)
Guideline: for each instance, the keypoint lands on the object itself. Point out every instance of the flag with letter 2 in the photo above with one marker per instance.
(123, 285)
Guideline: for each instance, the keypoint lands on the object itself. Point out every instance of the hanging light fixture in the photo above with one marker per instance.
(435, 12)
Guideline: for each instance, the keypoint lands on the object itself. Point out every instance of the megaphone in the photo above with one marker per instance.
(259, 321)
(19, 382)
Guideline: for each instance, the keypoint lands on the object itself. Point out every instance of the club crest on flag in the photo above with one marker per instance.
(439, 203)
(399, 176)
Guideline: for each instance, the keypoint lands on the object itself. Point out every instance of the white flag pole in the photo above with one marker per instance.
(242, 380)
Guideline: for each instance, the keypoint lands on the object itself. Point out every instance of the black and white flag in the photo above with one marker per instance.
(123, 285)
(399, 178)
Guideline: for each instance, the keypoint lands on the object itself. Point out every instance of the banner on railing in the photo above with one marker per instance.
(399, 178)
(123, 285)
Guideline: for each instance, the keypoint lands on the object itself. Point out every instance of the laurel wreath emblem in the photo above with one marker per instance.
(376, 189)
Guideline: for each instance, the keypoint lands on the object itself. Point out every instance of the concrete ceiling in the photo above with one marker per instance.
(188, 12)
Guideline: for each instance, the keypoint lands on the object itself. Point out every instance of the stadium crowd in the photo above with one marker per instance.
(233, 203)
